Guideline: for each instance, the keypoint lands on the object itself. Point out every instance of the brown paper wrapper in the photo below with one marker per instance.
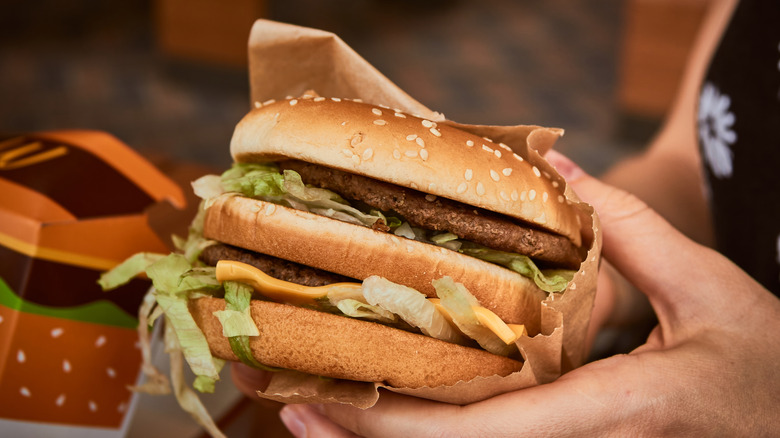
(287, 60)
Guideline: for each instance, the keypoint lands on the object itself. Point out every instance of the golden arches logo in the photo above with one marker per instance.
(15, 153)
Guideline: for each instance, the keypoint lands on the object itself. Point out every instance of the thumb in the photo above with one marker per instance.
(640, 244)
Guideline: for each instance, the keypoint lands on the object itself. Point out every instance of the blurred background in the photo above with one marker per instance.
(169, 78)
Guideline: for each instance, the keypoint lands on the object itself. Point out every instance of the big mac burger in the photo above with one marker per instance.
(354, 241)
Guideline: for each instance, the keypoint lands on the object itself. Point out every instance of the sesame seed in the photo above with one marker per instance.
(430, 198)
(424, 154)
(514, 195)
(541, 219)
(518, 157)
(401, 115)
(498, 153)
(494, 175)
(66, 366)
(411, 154)
(269, 101)
(258, 104)
(462, 187)
(411, 137)
(572, 286)
(532, 195)
(367, 154)
(57, 332)
(523, 195)
(397, 154)
(293, 102)
(60, 400)
(344, 123)
(560, 199)
(25, 391)
(435, 132)
(506, 148)
(414, 186)
(488, 139)
(420, 142)
(487, 148)
(507, 171)
(358, 100)
(432, 186)
(356, 159)
(555, 184)
(536, 172)
(376, 111)
(469, 143)
(335, 99)
(93, 406)
(101, 340)
(427, 123)
(319, 99)
(480, 189)
(347, 152)
(468, 175)
(111, 373)
(545, 196)
(20, 356)
(307, 96)
(356, 139)
(380, 122)
(503, 195)
(383, 106)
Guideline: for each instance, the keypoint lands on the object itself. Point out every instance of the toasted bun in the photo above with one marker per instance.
(359, 252)
(390, 146)
(344, 348)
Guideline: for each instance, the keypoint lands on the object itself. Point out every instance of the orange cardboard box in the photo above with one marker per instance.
(72, 205)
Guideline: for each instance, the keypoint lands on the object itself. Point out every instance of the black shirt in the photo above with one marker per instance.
(739, 138)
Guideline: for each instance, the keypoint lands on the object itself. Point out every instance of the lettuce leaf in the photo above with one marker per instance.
(127, 270)
(411, 306)
(238, 324)
(459, 301)
(551, 280)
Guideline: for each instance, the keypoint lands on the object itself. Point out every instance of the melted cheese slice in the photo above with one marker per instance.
(293, 293)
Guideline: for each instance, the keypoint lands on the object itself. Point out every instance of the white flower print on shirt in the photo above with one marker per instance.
(715, 130)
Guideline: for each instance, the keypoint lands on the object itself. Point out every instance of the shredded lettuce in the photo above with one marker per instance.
(186, 397)
(237, 322)
(193, 342)
(127, 270)
(236, 319)
(411, 306)
(552, 280)
(459, 301)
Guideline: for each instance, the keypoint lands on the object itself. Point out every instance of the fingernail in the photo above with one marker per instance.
(291, 418)
(566, 167)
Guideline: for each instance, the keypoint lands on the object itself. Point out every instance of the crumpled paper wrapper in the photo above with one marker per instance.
(287, 60)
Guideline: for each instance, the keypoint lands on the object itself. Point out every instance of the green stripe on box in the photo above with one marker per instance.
(98, 312)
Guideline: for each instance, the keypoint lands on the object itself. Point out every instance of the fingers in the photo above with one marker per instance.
(249, 380)
(396, 415)
(641, 245)
(306, 421)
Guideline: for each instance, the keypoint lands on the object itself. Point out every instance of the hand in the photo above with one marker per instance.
(708, 368)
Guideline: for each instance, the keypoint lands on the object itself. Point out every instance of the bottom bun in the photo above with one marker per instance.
(344, 348)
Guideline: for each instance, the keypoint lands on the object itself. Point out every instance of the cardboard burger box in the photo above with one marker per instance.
(72, 205)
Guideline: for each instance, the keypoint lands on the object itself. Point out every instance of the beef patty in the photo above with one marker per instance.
(440, 214)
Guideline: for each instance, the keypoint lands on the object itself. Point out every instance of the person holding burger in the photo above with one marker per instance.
(708, 366)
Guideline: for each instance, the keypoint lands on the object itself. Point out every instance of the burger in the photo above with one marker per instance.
(355, 241)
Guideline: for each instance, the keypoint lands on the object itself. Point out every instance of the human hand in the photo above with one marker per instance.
(708, 368)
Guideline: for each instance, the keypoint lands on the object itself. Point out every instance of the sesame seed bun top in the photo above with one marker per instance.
(409, 151)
